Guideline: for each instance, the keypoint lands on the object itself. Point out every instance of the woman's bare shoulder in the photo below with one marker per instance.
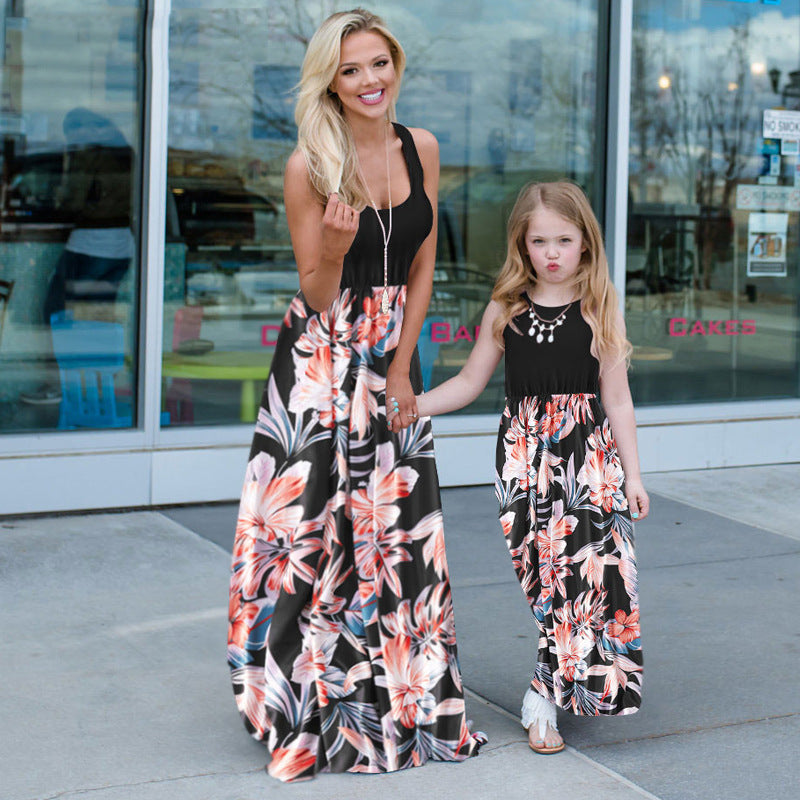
(296, 167)
(425, 142)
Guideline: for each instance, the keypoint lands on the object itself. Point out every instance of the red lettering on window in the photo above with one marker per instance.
(748, 327)
(730, 327)
(462, 333)
(674, 330)
(713, 327)
(440, 332)
(697, 328)
(265, 332)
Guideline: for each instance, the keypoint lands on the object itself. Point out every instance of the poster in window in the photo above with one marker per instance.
(766, 245)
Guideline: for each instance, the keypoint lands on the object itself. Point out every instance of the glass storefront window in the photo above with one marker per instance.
(70, 121)
(712, 279)
(509, 90)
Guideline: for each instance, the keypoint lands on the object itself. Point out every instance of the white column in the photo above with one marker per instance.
(619, 108)
(154, 214)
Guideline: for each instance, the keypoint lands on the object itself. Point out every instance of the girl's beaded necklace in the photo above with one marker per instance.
(545, 328)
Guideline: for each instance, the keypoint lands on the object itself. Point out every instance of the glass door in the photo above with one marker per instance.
(714, 200)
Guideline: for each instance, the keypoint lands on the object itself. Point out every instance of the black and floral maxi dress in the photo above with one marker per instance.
(341, 638)
(566, 521)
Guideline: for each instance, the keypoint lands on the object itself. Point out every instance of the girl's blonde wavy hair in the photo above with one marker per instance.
(593, 286)
(324, 137)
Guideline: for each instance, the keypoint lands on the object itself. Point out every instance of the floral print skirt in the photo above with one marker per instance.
(568, 529)
(341, 638)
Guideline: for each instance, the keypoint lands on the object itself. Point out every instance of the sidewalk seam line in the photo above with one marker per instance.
(677, 499)
(697, 729)
(720, 561)
(168, 779)
(569, 749)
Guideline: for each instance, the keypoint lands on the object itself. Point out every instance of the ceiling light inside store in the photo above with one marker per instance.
(733, 86)
(664, 82)
(758, 68)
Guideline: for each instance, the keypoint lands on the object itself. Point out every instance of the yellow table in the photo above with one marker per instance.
(248, 366)
(645, 353)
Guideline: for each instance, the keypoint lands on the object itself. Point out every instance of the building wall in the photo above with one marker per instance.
(655, 109)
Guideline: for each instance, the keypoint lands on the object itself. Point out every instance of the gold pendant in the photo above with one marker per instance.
(385, 302)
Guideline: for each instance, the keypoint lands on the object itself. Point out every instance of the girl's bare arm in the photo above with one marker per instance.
(618, 405)
(463, 388)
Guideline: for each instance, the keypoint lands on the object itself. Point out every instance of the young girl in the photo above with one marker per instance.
(565, 504)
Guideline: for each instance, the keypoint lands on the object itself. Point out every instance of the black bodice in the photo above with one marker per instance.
(412, 221)
(563, 366)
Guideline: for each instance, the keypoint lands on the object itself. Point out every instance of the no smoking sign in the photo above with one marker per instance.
(781, 124)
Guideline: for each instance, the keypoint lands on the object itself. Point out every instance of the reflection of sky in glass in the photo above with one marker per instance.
(696, 35)
(707, 14)
(710, 15)
(701, 80)
(467, 74)
(48, 71)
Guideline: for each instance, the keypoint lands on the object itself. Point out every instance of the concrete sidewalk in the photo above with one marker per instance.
(115, 683)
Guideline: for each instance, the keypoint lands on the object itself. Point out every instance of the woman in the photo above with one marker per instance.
(341, 640)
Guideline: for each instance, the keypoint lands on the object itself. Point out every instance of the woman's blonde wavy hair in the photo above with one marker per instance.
(593, 286)
(324, 137)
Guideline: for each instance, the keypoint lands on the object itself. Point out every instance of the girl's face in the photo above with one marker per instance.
(555, 246)
(365, 78)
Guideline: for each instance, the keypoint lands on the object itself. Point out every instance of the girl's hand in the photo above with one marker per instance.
(339, 227)
(638, 501)
(401, 404)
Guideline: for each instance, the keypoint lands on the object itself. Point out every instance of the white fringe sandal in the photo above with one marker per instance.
(540, 712)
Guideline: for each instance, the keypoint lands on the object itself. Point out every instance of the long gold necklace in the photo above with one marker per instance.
(384, 234)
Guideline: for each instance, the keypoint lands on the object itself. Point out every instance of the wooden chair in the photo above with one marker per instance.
(178, 396)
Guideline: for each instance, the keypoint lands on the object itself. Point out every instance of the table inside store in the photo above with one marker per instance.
(247, 366)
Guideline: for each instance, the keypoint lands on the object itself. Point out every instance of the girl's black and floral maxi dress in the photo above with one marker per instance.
(566, 521)
(341, 637)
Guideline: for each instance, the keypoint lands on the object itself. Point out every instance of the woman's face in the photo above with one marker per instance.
(365, 78)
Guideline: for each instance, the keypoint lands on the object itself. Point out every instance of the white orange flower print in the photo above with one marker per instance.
(565, 520)
(409, 681)
(269, 515)
(602, 470)
(341, 636)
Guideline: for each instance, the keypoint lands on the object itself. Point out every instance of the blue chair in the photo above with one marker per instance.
(428, 350)
(89, 355)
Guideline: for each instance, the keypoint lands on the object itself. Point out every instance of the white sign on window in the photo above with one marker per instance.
(750, 197)
(781, 124)
(766, 245)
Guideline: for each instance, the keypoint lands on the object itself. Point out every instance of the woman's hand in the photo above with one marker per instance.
(339, 227)
(401, 403)
(638, 501)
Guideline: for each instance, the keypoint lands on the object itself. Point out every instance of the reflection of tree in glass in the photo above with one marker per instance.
(234, 84)
(255, 62)
(697, 130)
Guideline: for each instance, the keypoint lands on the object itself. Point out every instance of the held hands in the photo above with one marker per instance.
(638, 501)
(339, 227)
(401, 404)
